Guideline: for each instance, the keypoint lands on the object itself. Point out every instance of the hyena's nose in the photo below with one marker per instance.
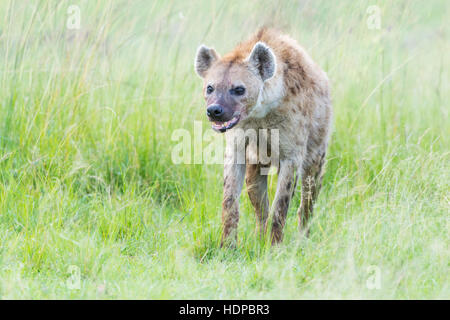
(215, 112)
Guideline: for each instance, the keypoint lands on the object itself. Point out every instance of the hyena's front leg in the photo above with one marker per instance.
(233, 180)
(311, 184)
(280, 206)
(257, 192)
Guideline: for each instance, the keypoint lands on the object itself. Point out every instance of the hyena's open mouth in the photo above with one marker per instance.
(224, 126)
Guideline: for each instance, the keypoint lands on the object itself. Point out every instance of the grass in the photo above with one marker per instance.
(87, 181)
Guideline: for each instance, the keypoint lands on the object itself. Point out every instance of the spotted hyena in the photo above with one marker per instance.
(268, 82)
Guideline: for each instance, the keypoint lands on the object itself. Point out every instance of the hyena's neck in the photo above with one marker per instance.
(270, 97)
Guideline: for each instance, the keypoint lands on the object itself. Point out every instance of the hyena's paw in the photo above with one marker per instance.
(229, 241)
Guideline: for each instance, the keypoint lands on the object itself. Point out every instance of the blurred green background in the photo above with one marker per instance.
(92, 205)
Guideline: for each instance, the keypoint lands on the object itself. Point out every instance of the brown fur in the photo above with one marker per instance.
(295, 99)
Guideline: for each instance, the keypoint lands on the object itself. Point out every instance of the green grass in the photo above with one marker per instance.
(87, 180)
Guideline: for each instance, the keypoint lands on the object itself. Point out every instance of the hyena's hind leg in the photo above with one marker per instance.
(257, 192)
(312, 174)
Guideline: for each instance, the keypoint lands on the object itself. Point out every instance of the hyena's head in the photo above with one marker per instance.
(231, 85)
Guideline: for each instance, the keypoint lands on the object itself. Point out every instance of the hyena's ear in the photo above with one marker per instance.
(263, 59)
(204, 59)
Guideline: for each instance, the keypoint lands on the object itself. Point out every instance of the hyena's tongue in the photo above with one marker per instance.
(224, 126)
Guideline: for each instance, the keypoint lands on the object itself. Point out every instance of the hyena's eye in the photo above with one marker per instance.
(209, 89)
(238, 91)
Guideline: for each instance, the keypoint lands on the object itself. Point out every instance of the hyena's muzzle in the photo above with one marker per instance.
(223, 114)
